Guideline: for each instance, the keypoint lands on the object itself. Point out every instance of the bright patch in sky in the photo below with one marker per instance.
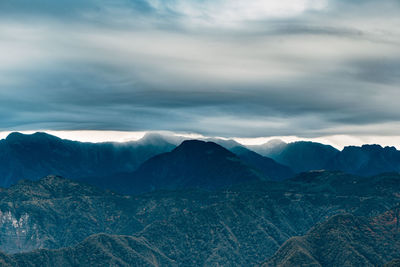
(231, 11)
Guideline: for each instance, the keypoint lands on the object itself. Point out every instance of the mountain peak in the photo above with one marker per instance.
(17, 137)
(193, 164)
(14, 135)
(197, 147)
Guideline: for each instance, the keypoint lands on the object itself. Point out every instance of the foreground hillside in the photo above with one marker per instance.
(244, 224)
(344, 240)
(55, 212)
(97, 250)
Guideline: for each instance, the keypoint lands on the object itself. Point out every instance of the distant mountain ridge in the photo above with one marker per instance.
(366, 160)
(299, 156)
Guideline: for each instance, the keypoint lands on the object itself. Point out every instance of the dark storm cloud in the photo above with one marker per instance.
(203, 66)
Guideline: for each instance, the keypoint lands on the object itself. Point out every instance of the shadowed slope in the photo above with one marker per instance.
(269, 167)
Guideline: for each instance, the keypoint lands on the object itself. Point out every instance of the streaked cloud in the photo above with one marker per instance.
(226, 68)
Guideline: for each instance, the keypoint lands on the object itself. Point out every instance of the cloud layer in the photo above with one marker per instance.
(229, 68)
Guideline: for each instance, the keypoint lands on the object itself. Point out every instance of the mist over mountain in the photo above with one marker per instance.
(270, 148)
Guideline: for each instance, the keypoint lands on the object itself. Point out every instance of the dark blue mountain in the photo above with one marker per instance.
(304, 156)
(193, 164)
(108, 164)
(37, 155)
(366, 160)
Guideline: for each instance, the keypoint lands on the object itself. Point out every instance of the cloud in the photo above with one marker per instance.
(305, 68)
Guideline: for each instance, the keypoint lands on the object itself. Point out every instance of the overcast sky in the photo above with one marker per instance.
(231, 68)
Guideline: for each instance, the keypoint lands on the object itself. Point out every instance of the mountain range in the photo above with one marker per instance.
(164, 201)
(305, 156)
(148, 164)
(135, 167)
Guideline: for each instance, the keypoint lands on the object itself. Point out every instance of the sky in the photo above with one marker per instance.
(112, 69)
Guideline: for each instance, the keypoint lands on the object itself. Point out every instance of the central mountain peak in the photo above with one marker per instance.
(201, 148)
(193, 164)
